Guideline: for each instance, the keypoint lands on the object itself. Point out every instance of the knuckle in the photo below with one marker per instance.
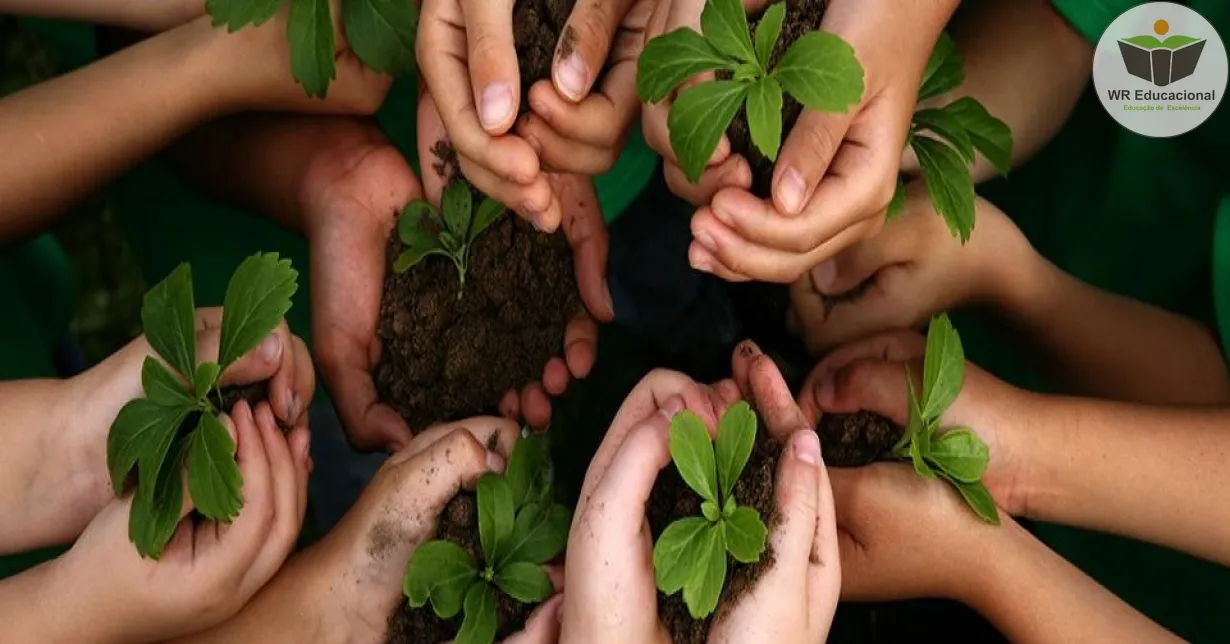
(484, 43)
(818, 143)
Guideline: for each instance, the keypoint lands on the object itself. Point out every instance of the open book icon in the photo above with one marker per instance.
(1161, 62)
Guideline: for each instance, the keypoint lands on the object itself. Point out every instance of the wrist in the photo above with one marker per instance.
(1017, 275)
(995, 579)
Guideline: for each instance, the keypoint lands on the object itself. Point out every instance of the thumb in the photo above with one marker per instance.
(805, 157)
(866, 384)
(587, 235)
(455, 461)
(494, 74)
(584, 46)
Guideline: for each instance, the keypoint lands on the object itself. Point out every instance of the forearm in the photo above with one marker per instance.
(146, 15)
(1100, 344)
(1149, 473)
(30, 417)
(1032, 595)
(42, 605)
(66, 137)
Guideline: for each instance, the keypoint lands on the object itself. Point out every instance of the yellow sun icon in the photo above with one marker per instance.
(1161, 27)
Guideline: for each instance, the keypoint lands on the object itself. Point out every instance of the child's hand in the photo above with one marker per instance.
(913, 269)
(209, 570)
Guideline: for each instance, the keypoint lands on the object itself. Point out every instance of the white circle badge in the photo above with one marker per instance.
(1160, 69)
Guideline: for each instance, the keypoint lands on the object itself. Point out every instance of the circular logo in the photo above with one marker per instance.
(1160, 69)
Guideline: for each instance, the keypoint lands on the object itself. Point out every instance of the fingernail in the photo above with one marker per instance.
(672, 406)
(722, 215)
(606, 295)
(495, 462)
(703, 262)
(496, 104)
(571, 75)
(790, 189)
(295, 406)
(826, 274)
(705, 239)
(807, 446)
(271, 348)
(825, 392)
(749, 349)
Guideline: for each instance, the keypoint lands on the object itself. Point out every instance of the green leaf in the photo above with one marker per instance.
(821, 71)
(702, 591)
(698, 119)
(724, 24)
(747, 72)
(914, 424)
(152, 521)
(257, 298)
(943, 367)
(990, 135)
(528, 468)
(764, 116)
(710, 511)
(139, 427)
(948, 183)
(495, 515)
(168, 316)
(768, 31)
(162, 387)
(381, 33)
(692, 451)
(919, 460)
(673, 58)
(947, 127)
(410, 225)
(945, 69)
(978, 498)
(525, 582)
(898, 203)
(213, 477)
(488, 211)
(449, 242)
(480, 622)
(237, 14)
(310, 31)
(408, 259)
(729, 508)
(736, 436)
(439, 571)
(745, 535)
(206, 377)
(539, 535)
(457, 204)
(676, 555)
(960, 454)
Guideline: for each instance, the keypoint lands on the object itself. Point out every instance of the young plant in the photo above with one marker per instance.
(176, 423)
(945, 139)
(379, 32)
(819, 70)
(425, 232)
(958, 455)
(690, 554)
(519, 528)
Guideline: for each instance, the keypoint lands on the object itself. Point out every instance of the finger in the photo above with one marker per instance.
(542, 626)
(555, 377)
(305, 384)
(257, 365)
(432, 142)
(536, 406)
(797, 495)
(732, 171)
(771, 396)
(584, 46)
(282, 385)
(702, 260)
(581, 345)
(871, 385)
(805, 157)
(557, 153)
(601, 120)
(300, 441)
(892, 346)
(534, 200)
(510, 405)
(494, 75)
(626, 484)
(725, 394)
(246, 535)
(285, 468)
(587, 235)
(370, 425)
(486, 429)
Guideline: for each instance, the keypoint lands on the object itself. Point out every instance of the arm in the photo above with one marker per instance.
(146, 15)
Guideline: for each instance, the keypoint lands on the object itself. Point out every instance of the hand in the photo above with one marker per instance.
(870, 375)
(912, 270)
(836, 173)
(209, 570)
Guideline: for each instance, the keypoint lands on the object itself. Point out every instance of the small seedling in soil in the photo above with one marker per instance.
(379, 32)
(519, 530)
(425, 232)
(176, 423)
(690, 555)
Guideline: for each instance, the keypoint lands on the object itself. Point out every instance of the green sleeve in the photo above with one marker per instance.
(1092, 17)
(1221, 274)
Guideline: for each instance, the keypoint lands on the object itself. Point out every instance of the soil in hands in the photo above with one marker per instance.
(854, 440)
(446, 358)
(672, 499)
(537, 27)
(802, 17)
(459, 524)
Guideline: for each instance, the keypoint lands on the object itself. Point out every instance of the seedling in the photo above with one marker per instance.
(176, 423)
(379, 32)
(952, 134)
(958, 455)
(519, 528)
(690, 554)
(819, 70)
(425, 232)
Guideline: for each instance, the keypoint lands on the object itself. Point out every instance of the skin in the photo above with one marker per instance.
(145, 15)
(102, 590)
(835, 174)
(54, 481)
(344, 587)
(1060, 459)
(611, 594)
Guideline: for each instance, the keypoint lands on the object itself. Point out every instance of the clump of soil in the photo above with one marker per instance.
(537, 26)
(672, 499)
(802, 17)
(854, 440)
(459, 524)
(446, 358)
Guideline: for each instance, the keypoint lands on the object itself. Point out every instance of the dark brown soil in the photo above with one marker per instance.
(446, 358)
(458, 524)
(537, 25)
(802, 17)
(673, 499)
(854, 440)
